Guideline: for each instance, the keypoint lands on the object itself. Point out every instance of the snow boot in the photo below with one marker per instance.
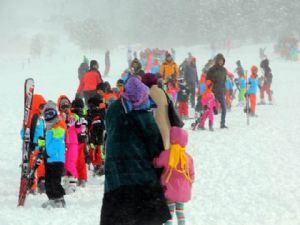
(70, 184)
(211, 127)
(54, 203)
(81, 183)
(41, 186)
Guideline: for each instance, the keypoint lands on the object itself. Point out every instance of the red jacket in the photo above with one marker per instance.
(89, 81)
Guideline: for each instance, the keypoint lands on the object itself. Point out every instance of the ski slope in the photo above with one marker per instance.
(246, 175)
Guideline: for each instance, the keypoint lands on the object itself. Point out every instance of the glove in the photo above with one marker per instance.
(92, 146)
(82, 121)
(41, 142)
(215, 111)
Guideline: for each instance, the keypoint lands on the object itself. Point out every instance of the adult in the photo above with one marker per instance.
(107, 63)
(83, 68)
(161, 112)
(266, 81)
(136, 68)
(191, 79)
(217, 74)
(169, 69)
(89, 82)
(132, 193)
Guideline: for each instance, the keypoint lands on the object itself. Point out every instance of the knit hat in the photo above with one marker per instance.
(77, 103)
(93, 63)
(136, 92)
(50, 112)
(149, 79)
(254, 69)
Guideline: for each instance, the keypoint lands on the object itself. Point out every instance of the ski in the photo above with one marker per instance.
(28, 95)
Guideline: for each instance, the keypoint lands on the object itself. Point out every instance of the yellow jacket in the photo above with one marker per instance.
(167, 69)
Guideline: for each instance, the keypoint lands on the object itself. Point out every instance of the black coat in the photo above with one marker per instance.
(217, 74)
(191, 75)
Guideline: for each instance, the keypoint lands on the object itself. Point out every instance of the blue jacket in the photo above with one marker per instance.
(228, 84)
(39, 131)
(155, 69)
(55, 144)
(242, 83)
(253, 85)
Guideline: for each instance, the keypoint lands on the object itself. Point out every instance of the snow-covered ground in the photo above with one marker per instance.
(246, 175)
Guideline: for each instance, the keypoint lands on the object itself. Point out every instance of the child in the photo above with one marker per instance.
(241, 84)
(120, 86)
(73, 129)
(54, 143)
(183, 99)
(96, 116)
(78, 109)
(37, 127)
(253, 85)
(178, 174)
(209, 106)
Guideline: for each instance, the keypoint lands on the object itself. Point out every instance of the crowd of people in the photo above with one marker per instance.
(125, 132)
(288, 48)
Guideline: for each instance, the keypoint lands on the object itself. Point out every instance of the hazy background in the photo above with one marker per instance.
(39, 25)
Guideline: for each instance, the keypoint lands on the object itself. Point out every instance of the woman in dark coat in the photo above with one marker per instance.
(133, 194)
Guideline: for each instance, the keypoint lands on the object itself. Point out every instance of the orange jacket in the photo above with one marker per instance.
(37, 100)
(167, 69)
(89, 81)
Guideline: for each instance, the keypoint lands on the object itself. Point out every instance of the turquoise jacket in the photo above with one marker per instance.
(253, 85)
(55, 144)
(242, 83)
(228, 84)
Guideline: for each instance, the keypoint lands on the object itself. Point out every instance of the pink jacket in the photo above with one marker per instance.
(208, 99)
(178, 189)
(72, 131)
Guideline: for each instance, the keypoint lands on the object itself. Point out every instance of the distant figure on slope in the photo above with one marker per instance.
(252, 90)
(178, 174)
(107, 63)
(267, 81)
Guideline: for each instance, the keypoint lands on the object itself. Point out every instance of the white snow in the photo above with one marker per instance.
(246, 175)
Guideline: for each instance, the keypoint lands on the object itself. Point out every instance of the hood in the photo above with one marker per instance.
(219, 56)
(178, 136)
(62, 99)
(36, 102)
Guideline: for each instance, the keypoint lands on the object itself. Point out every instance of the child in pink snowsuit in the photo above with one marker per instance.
(178, 174)
(209, 106)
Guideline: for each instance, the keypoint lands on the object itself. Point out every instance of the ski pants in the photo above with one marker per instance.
(53, 173)
(221, 100)
(179, 209)
(71, 159)
(192, 94)
(40, 172)
(81, 167)
(95, 155)
(183, 109)
(265, 88)
(210, 114)
(252, 101)
(242, 93)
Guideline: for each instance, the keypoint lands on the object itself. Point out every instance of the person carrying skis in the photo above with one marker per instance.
(54, 143)
(178, 174)
(251, 92)
(217, 74)
(89, 82)
(78, 109)
(208, 103)
(73, 129)
(267, 81)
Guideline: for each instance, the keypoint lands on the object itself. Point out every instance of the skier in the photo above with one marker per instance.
(251, 92)
(208, 103)
(73, 129)
(37, 128)
(267, 81)
(54, 143)
(229, 92)
(136, 68)
(178, 174)
(107, 63)
(95, 117)
(191, 78)
(183, 99)
(169, 70)
(217, 74)
(78, 109)
(88, 83)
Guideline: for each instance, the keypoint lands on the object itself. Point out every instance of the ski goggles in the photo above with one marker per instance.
(49, 114)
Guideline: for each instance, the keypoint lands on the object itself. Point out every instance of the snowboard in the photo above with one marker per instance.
(28, 96)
